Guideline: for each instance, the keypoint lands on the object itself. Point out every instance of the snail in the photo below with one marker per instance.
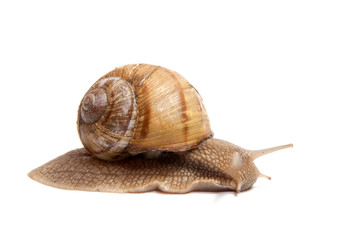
(145, 128)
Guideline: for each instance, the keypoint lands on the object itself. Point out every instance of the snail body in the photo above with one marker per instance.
(145, 128)
(215, 165)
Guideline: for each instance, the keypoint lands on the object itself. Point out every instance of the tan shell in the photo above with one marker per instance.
(141, 108)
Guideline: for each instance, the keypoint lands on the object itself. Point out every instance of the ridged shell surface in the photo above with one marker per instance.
(167, 113)
(106, 131)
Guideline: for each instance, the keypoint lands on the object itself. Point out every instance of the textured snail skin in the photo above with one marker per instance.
(215, 165)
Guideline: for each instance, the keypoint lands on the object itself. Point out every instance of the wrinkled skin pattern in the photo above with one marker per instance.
(215, 165)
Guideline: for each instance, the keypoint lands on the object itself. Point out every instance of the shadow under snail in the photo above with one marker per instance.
(145, 128)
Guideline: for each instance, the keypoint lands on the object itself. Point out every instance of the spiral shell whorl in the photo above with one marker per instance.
(107, 116)
(93, 105)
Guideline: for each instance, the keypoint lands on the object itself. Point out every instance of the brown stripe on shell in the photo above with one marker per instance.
(147, 109)
(202, 110)
(183, 105)
(147, 112)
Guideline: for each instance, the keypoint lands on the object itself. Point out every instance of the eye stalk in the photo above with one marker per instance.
(93, 105)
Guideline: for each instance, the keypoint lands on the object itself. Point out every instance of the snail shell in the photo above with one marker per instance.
(141, 108)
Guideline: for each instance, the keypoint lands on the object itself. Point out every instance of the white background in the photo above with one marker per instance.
(269, 72)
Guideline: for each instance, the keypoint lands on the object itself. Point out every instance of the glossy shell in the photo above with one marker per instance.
(141, 108)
